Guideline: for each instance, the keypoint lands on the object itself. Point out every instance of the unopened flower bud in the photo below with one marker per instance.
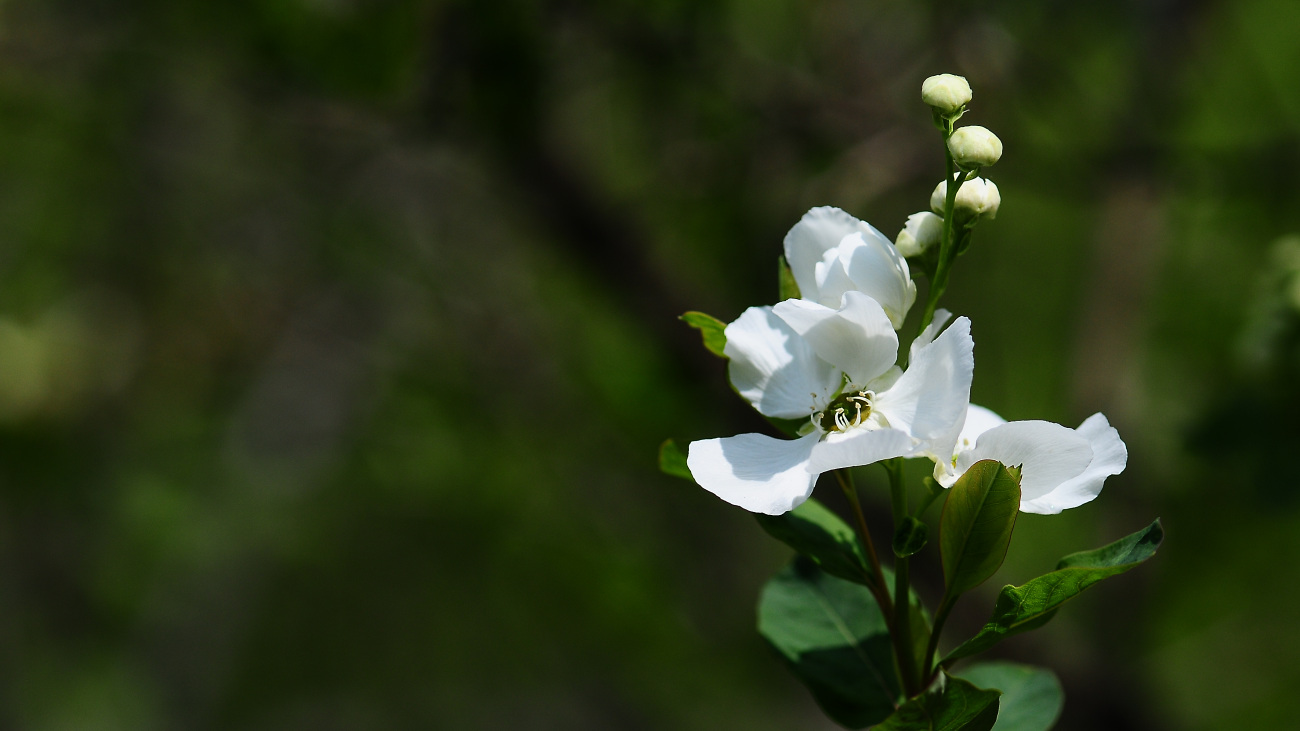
(922, 231)
(976, 198)
(974, 146)
(946, 92)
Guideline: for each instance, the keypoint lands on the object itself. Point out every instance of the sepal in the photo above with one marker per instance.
(712, 331)
(787, 288)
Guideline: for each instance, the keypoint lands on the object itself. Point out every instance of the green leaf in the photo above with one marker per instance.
(955, 704)
(787, 287)
(672, 461)
(910, 537)
(975, 529)
(1123, 554)
(933, 491)
(711, 329)
(831, 634)
(816, 532)
(1022, 608)
(1031, 697)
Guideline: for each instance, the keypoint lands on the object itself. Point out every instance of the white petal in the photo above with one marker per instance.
(755, 472)
(978, 421)
(1109, 457)
(929, 401)
(858, 337)
(941, 318)
(880, 272)
(776, 370)
(1048, 453)
(820, 229)
(860, 447)
(832, 278)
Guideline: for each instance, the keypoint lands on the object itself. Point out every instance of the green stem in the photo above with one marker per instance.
(947, 246)
(903, 629)
(929, 660)
(897, 492)
(902, 591)
(877, 584)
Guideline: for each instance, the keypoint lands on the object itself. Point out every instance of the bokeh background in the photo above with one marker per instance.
(337, 338)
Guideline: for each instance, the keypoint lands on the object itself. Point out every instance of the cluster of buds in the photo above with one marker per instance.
(970, 149)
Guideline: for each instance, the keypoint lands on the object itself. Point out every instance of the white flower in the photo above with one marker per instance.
(976, 198)
(836, 368)
(946, 92)
(922, 231)
(1061, 468)
(974, 146)
(831, 252)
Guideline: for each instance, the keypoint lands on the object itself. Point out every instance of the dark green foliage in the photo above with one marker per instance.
(955, 705)
(833, 637)
(819, 534)
(1022, 608)
(910, 537)
(1032, 697)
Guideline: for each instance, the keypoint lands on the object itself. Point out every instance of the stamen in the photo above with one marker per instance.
(836, 416)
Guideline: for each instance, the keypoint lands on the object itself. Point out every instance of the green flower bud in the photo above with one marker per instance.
(922, 231)
(946, 93)
(974, 147)
(976, 198)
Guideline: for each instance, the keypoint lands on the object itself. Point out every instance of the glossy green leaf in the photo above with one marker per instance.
(712, 330)
(1031, 697)
(787, 287)
(672, 461)
(955, 705)
(816, 532)
(1022, 608)
(1123, 554)
(910, 537)
(831, 634)
(976, 526)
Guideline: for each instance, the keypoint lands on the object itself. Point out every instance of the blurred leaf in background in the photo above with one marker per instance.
(337, 338)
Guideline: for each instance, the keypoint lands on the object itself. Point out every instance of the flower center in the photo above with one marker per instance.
(848, 410)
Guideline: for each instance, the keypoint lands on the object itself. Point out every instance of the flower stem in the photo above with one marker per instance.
(947, 246)
(902, 591)
(941, 616)
(878, 576)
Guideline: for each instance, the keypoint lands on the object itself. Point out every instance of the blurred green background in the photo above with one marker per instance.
(337, 338)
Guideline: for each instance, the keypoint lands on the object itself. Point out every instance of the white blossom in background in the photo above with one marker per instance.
(834, 367)
(922, 231)
(976, 198)
(830, 252)
(1062, 468)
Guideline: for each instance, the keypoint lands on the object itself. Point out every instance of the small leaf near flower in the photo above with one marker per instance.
(712, 330)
